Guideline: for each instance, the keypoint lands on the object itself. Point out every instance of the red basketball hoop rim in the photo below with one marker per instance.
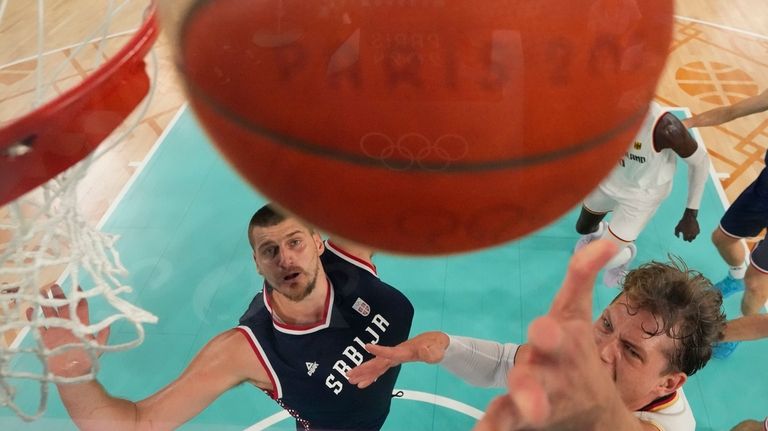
(38, 145)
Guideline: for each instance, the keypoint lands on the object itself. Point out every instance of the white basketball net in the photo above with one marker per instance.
(44, 235)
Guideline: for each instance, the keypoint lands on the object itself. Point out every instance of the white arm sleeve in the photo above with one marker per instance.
(698, 171)
(479, 362)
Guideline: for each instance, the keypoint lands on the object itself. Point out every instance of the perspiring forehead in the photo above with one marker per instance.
(282, 231)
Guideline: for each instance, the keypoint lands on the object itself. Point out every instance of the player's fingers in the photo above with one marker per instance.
(58, 293)
(48, 311)
(363, 384)
(396, 354)
(529, 398)
(499, 416)
(28, 312)
(82, 309)
(545, 335)
(575, 296)
(368, 371)
(361, 373)
(102, 336)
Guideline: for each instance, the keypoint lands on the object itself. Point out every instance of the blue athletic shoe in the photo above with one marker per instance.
(729, 285)
(724, 349)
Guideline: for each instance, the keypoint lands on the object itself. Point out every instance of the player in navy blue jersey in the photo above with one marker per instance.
(746, 217)
(307, 359)
(321, 303)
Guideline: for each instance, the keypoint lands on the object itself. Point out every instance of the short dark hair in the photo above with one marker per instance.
(264, 217)
(686, 306)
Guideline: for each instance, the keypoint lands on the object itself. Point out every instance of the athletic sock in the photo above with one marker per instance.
(737, 272)
(599, 232)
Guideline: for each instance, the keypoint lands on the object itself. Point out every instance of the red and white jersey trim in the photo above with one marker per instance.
(354, 260)
(302, 329)
(662, 403)
(277, 393)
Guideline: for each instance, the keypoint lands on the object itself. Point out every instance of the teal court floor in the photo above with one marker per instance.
(183, 223)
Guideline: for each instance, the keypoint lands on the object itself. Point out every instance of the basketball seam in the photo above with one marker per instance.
(423, 167)
(408, 165)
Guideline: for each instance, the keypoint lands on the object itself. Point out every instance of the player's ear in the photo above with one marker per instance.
(672, 382)
(319, 244)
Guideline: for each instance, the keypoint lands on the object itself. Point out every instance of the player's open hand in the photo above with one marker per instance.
(562, 384)
(428, 347)
(70, 358)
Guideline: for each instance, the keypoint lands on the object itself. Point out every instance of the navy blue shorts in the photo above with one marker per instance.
(748, 215)
(759, 257)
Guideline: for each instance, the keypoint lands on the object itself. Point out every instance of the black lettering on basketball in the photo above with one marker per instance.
(402, 66)
(559, 54)
(351, 75)
(290, 59)
(605, 57)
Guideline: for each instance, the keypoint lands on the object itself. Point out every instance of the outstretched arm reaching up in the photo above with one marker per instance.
(562, 383)
(226, 361)
(724, 114)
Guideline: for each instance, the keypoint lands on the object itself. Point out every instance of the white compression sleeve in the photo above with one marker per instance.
(698, 171)
(479, 362)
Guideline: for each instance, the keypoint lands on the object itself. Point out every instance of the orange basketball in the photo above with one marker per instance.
(423, 126)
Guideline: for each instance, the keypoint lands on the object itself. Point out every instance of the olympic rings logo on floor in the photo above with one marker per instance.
(414, 149)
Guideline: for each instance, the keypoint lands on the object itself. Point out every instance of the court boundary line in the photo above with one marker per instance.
(140, 168)
(712, 172)
(722, 27)
(425, 397)
(716, 180)
(115, 202)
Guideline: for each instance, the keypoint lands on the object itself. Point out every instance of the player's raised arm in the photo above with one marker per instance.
(724, 114)
(226, 361)
(563, 383)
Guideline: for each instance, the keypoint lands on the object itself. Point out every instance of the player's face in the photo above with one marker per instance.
(287, 255)
(635, 358)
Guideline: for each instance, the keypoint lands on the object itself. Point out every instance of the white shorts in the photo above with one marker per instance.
(632, 207)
